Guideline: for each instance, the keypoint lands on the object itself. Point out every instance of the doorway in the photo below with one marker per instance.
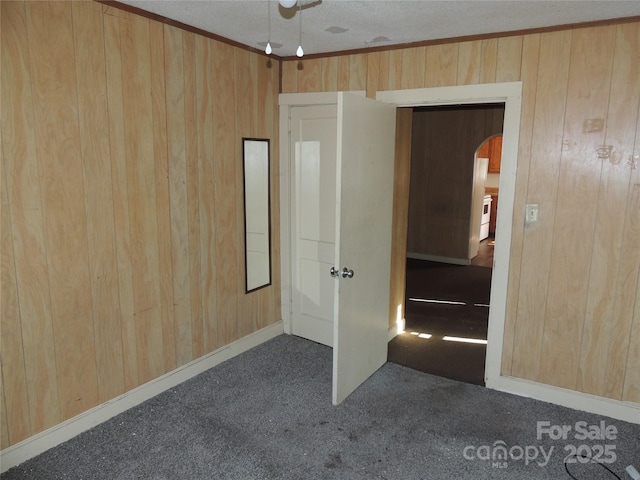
(449, 246)
(511, 95)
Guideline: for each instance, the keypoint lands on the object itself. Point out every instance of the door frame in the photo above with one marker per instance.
(509, 93)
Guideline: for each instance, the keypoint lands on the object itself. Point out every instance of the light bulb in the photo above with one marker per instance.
(268, 49)
(300, 52)
(288, 3)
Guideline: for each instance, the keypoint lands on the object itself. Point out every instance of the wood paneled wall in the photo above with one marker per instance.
(121, 189)
(573, 312)
(443, 146)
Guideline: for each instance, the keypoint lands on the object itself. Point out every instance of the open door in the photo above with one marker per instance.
(364, 203)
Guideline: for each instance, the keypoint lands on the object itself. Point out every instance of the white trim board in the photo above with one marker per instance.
(625, 411)
(43, 441)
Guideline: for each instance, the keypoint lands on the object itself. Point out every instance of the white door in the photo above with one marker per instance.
(341, 208)
(313, 221)
(364, 205)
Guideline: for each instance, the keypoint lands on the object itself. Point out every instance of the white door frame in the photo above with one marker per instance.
(511, 94)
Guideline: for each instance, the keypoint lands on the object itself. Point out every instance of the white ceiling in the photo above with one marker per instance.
(338, 25)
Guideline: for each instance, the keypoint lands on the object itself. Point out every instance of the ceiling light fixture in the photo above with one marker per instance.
(299, 51)
(290, 4)
(267, 49)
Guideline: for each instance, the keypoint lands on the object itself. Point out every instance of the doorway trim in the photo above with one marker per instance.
(511, 94)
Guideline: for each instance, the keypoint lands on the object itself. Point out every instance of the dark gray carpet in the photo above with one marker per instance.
(267, 414)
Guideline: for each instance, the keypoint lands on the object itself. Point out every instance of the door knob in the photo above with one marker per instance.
(346, 273)
(334, 272)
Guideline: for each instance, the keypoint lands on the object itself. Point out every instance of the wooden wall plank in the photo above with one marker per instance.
(27, 219)
(206, 150)
(578, 181)
(309, 77)
(289, 78)
(267, 114)
(631, 391)
(12, 366)
(14, 397)
(342, 83)
(245, 91)
(610, 262)
(275, 314)
(373, 73)
(358, 71)
(529, 78)
(469, 62)
(546, 141)
(394, 75)
(193, 214)
(96, 162)
(60, 167)
(245, 78)
(176, 141)
(413, 67)
(264, 109)
(620, 335)
(383, 70)
(442, 65)
(163, 202)
(140, 160)
(488, 60)
(4, 429)
(329, 72)
(509, 57)
(224, 168)
(111, 25)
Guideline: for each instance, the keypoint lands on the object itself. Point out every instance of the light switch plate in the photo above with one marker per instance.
(531, 213)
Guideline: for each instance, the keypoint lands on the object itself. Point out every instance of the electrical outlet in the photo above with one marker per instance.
(531, 214)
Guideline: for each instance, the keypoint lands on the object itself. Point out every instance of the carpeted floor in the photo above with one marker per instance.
(468, 289)
(267, 414)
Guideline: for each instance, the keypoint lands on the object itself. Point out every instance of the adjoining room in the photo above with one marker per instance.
(453, 199)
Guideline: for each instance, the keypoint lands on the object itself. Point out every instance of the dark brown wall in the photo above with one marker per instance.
(444, 141)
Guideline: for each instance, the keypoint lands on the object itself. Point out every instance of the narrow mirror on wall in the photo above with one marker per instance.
(257, 221)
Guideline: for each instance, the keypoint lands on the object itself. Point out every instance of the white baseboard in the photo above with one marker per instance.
(43, 441)
(438, 258)
(625, 411)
